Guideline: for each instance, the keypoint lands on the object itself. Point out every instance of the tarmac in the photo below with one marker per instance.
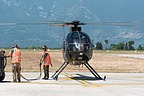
(75, 84)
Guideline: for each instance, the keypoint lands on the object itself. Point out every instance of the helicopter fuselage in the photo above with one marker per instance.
(77, 48)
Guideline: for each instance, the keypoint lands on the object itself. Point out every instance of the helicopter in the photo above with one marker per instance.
(78, 47)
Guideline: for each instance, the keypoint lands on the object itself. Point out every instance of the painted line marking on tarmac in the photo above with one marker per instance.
(83, 82)
(88, 84)
(57, 83)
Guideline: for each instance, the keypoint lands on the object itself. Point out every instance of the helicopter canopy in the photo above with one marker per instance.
(78, 41)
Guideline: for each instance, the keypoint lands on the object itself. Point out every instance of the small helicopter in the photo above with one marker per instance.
(78, 47)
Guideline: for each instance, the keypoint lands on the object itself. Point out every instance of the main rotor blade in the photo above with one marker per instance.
(56, 24)
(61, 23)
(34, 23)
(114, 23)
(31, 23)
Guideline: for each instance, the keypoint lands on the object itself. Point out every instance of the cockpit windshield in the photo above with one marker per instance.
(78, 41)
(78, 37)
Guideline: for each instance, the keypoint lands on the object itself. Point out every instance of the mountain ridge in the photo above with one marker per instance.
(19, 11)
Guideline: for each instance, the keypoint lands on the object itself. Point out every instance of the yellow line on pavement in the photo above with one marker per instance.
(83, 82)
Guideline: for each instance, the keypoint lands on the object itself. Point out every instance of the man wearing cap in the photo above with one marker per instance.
(46, 62)
(15, 55)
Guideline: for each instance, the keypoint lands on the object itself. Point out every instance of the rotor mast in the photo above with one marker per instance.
(75, 27)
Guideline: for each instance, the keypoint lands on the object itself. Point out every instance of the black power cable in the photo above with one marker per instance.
(34, 78)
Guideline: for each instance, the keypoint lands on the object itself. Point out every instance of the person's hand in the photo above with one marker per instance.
(40, 64)
(51, 65)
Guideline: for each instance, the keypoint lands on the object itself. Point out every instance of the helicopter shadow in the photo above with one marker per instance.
(83, 77)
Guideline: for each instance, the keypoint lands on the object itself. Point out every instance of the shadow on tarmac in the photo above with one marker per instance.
(82, 77)
(5, 82)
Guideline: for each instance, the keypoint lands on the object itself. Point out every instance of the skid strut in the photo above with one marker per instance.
(55, 76)
(97, 76)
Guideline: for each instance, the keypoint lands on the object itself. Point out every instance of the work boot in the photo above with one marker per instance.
(19, 80)
(47, 76)
(44, 76)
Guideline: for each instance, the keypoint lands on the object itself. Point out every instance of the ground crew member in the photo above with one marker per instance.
(15, 55)
(46, 61)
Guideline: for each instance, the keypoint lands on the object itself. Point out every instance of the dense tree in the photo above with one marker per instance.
(99, 46)
(126, 46)
(121, 46)
(106, 42)
(130, 45)
(113, 47)
(31, 47)
(140, 48)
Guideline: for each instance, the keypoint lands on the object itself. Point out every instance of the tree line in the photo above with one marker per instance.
(120, 46)
(99, 46)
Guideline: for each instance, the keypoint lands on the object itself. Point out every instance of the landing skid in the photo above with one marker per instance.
(97, 76)
(55, 75)
(63, 66)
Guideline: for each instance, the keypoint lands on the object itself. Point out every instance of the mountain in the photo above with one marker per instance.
(24, 11)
